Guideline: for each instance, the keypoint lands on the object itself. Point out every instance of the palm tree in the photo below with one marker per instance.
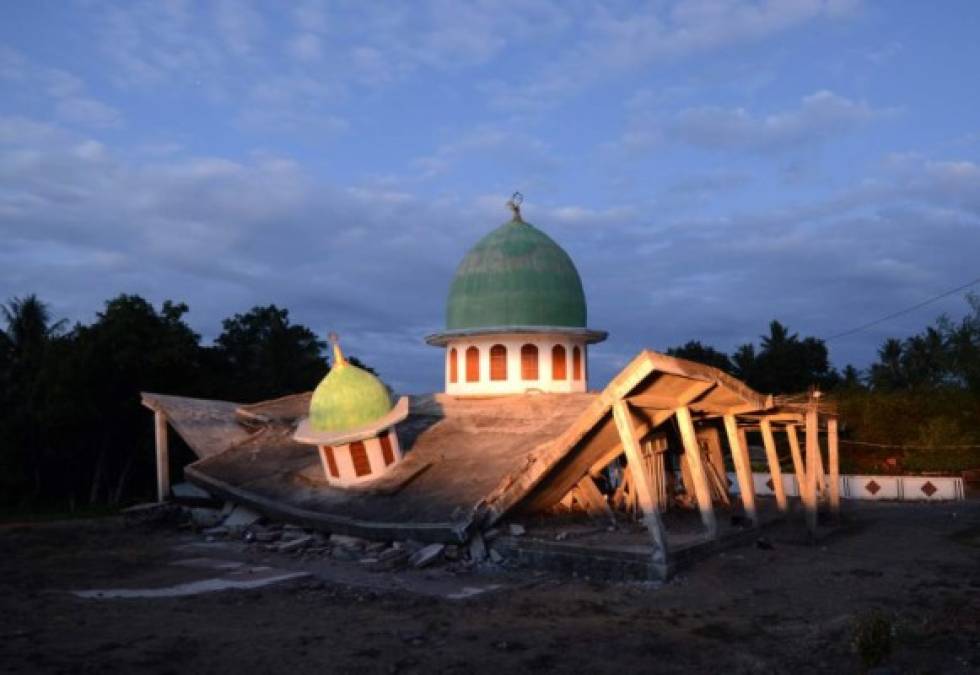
(29, 327)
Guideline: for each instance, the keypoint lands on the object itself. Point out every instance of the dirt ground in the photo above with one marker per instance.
(791, 608)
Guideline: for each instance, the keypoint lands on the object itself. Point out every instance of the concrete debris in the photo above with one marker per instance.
(348, 542)
(495, 557)
(517, 530)
(188, 492)
(344, 553)
(426, 555)
(491, 534)
(203, 517)
(295, 544)
(478, 548)
(451, 552)
(219, 531)
(242, 517)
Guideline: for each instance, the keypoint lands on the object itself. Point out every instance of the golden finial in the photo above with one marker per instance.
(338, 356)
(514, 204)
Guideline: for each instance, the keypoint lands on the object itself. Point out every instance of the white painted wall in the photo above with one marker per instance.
(345, 464)
(901, 488)
(514, 384)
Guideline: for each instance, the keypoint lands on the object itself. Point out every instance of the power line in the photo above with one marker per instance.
(902, 312)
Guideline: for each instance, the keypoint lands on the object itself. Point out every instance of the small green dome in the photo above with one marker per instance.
(516, 276)
(347, 398)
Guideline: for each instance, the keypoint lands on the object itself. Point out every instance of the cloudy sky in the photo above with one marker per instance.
(709, 164)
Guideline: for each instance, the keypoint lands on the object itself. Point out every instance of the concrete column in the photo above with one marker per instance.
(163, 456)
(743, 468)
(698, 477)
(775, 472)
(833, 457)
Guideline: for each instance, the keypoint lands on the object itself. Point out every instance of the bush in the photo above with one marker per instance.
(872, 638)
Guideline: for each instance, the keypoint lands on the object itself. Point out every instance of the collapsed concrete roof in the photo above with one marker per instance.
(469, 461)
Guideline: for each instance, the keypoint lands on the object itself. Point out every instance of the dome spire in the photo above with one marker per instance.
(338, 356)
(514, 204)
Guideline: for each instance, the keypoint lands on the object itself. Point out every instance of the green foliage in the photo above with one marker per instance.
(261, 355)
(695, 351)
(75, 432)
(946, 354)
(872, 638)
(783, 363)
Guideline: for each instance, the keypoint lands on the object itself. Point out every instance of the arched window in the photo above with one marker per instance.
(331, 462)
(386, 451)
(576, 363)
(359, 458)
(529, 362)
(498, 362)
(558, 363)
(472, 364)
(453, 365)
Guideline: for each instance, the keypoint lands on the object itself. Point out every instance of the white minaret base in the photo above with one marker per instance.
(479, 377)
(360, 461)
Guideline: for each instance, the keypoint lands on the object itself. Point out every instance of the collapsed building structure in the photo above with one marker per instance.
(516, 434)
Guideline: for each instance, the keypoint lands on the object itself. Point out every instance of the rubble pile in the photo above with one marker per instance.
(236, 523)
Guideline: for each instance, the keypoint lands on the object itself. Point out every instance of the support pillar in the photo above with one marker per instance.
(163, 456)
(812, 451)
(634, 459)
(833, 458)
(794, 450)
(699, 479)
(775, 472)
(743, 468)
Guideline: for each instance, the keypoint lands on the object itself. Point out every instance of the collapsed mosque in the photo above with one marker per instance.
(516, 433)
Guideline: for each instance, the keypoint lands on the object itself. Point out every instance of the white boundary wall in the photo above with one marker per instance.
(900, 488)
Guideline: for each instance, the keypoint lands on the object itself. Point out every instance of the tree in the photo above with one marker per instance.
(785, 363)
(24, 343)
(695, 351)
(260, 355)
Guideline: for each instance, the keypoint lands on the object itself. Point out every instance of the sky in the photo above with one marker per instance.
(710, 165)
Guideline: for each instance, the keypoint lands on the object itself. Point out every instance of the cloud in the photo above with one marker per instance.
(305, 47)
(622, 40)
(83, 221)
(820, 116)
(64, 92)
(520, 151)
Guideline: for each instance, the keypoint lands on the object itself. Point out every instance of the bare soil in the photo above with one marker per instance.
(786, 609)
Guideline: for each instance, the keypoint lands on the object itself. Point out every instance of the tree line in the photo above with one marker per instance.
(74, 433)
(922, 391)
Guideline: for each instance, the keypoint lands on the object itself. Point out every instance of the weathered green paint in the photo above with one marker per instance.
(516, 276)
(347, 398)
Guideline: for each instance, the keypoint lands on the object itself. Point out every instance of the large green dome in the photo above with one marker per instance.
(347, 398)
(516, 276)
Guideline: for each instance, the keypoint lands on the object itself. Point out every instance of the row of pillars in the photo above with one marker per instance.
(809, 470)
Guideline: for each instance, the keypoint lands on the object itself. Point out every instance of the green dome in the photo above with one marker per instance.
(347, 398)
(516, 276)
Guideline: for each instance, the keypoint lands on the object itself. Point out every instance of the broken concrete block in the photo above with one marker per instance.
(517, 530)
(426, 555)
(495, 557)
(344, 553)
(203, 517)
(241, 516)
(190, 492)
(294, 544)
(478, 548)
(348, 541)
